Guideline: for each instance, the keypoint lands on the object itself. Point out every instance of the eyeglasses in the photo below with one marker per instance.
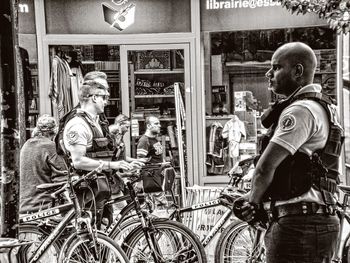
(104, 96)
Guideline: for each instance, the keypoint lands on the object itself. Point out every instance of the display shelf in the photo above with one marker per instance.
(114, 99)
(158, 71)
(160, 119)
(157, 99)
(153, 96)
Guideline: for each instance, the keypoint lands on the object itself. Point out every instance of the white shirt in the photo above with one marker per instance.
(303, 126)
(78, 132)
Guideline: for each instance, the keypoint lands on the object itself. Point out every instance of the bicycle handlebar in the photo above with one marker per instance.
(88, 176)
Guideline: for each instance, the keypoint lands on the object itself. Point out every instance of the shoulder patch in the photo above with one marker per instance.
(72, 137)
(287, 122)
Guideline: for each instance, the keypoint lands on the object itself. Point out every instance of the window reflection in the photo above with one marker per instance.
(237, 92)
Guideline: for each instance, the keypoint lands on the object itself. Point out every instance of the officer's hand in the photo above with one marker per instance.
(136, 164)
(244, 210)
(121, 165)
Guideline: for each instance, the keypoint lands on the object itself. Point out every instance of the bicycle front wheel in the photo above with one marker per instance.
(82, 249)
(172, 242)
(236, 245)
(32, 233)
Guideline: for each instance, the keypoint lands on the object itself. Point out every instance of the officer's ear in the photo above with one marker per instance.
(299, 70)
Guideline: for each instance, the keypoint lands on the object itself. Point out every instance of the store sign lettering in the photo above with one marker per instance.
(23, 8)
(232, 4)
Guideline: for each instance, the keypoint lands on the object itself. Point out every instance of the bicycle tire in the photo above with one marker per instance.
(345, 251)
(124, 230)
(235, 245)
(174, 240)
(30, 232)
(78, 249)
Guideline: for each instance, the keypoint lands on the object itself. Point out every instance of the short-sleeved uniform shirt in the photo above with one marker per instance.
(303, 126)
(78, 132)
(150, 147)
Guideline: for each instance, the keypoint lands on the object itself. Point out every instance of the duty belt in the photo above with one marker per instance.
(301, 208)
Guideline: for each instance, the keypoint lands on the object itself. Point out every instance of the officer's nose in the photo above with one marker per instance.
(268, 74)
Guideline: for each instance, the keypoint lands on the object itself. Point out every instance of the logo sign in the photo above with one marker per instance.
(236, 4)
(120, 19)
(23, 8)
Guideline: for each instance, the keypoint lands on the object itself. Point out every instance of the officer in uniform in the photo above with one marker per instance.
(297, 174)
(90, 145)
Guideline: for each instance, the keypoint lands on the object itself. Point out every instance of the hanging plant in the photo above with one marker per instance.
(337, 12)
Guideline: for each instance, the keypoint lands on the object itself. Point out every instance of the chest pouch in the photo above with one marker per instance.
(292, 178)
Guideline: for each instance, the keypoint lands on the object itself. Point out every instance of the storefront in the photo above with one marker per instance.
(217, 53)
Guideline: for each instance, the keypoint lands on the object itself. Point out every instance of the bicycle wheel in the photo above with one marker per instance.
(236, 244)
(174, 241)
(32, 233)
(346, 251)
(81, 249)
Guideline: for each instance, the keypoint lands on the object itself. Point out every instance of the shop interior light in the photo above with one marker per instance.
(119, 19)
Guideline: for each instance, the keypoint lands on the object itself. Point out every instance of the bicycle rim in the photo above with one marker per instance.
(173, 241)
(236, 245)
(82, 250)
(32, 233)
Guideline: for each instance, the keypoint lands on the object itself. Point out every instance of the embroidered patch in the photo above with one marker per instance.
(287, 122)
(72, 137)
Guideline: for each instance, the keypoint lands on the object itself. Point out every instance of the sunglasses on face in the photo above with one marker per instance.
(104, 97)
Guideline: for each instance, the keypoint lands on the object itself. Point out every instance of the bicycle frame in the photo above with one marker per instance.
(208, 204)
(57, 231)
(343, 215)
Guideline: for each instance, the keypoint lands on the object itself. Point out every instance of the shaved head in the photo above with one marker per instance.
(299, 53)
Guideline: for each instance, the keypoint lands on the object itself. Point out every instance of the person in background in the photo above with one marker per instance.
(117, 130)
(150, 148)
(39, 164)
(297, 174)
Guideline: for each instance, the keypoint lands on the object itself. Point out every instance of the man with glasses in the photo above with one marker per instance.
(89, 144)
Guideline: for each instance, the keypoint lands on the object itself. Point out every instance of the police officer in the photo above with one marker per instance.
(89, 144)
(296, 175)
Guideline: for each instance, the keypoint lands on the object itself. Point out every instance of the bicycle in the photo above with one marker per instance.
(86, 243)
(233, 190)
(150, 239)
(342, 254)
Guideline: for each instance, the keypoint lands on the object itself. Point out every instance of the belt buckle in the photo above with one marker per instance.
(330, 210)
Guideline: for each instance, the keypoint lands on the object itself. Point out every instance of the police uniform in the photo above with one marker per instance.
(87, 130)
(303, 126)
(301, 228)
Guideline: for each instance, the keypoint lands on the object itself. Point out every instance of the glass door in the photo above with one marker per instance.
(148, 89)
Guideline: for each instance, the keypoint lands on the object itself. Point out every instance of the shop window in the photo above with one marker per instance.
(69, 64)
(237, 90)
(29, 56)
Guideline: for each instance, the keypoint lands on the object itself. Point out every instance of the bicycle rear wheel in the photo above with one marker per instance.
(173, 241)
(236, 245)
(81, 249)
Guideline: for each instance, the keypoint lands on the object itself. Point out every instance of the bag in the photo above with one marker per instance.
(152, 180)
(98, 190)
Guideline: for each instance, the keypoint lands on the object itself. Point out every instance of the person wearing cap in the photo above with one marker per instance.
(39, 163)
